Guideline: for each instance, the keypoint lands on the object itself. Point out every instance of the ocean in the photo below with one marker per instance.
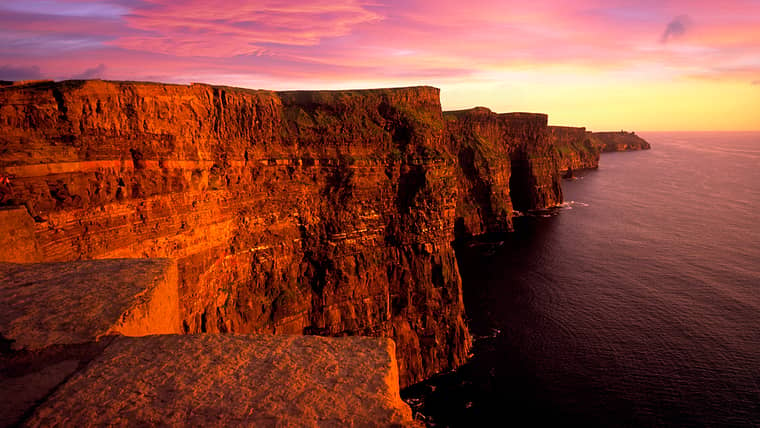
(637, 303)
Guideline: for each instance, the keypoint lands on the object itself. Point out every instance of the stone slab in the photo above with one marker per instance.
(45, 304)
(230, 380)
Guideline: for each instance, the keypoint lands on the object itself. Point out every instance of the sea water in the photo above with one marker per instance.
(637, 303)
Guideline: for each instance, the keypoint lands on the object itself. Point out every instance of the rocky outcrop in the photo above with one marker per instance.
(577, 148)
(246, 381)
(621, 141)
(47, 304)
(326, 213)
(505, 163)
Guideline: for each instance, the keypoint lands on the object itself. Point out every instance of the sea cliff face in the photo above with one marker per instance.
(621, 141)
(328, 213)
(577, 149)
(505, 162)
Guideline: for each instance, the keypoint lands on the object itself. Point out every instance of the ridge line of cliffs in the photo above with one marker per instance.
(581, 149)
(307, 212)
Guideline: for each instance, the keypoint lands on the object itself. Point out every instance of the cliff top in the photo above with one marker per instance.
(222, 380)
(31, 84)
(612, 133)
(567, 128)
(487, 112)
(470, 111)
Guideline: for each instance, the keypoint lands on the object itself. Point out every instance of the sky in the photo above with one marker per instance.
(641, 65)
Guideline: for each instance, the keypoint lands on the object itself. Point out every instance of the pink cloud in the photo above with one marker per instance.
(238, 27)
(414, 40)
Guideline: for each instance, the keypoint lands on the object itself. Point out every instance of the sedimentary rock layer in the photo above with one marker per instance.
(224, 380)
(577, 148)
(621, 141)
(300, 212)
(505, 163)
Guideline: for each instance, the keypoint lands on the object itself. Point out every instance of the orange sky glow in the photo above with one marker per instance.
(616, 64)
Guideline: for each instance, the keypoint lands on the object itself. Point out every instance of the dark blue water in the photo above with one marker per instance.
(636, 305)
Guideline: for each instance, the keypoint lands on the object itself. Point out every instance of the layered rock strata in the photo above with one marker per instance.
(327, 213)
(621, 141)
(506, 162)
(577, 148)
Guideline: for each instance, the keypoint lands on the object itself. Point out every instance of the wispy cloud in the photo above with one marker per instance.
(290, 42)
(239, 27)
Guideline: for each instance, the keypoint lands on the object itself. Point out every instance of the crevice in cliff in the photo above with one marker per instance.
(520, 183)
(411, 181)
(480, 191)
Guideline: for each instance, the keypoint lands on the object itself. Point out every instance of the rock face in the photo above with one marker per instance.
(17, 235)
(326, 213)
(224, 380)
(621, 141)
(577, 148)
(505, 162)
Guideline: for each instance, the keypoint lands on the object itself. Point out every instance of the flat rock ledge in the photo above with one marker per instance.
(228, 380)
(45, 304)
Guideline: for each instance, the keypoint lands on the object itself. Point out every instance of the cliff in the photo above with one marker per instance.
(324, 213)
(621, 141)
(577, 149)
(506, 162)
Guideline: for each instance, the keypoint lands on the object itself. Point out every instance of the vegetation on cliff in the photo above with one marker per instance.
(577, 149)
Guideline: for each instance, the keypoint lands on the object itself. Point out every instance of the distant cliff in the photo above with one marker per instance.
(621, 141)
(577, 148)
(505, 163)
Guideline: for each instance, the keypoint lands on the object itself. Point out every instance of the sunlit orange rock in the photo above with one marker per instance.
(325, 213)
(46, 304)
(231, 380)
